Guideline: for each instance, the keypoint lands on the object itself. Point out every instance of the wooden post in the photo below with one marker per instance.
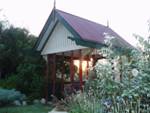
(46, 78)
(71, 70)
(54, 73)
(80, 71)
(94, 60)
(62, 73)
(87, 71)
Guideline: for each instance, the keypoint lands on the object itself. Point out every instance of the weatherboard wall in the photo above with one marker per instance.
(59, 42)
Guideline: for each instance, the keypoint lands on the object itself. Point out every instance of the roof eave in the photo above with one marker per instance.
(87, 43)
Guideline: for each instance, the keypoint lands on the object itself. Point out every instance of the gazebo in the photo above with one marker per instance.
(66, 38)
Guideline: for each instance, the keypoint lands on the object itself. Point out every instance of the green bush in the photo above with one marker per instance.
(27, 80)
(21, 66)
(83, 103)
(120, 85)
(8, 96)
(9, 83)
(30, 79)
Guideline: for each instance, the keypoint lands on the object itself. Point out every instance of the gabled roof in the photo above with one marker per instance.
(85, 32)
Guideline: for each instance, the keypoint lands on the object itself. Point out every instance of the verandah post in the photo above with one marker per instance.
(62, 73)
(53, 73)
(87, 67)
(71, 70)
(80, 70)
(46, 78)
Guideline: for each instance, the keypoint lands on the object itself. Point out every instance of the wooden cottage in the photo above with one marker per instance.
(66, 38)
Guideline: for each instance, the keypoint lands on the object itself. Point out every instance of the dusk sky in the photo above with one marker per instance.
(126, 17)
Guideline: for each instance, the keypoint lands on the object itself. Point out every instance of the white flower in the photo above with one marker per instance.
(135, 72)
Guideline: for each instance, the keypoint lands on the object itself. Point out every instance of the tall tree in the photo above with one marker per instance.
(20, 65)
(15, 45)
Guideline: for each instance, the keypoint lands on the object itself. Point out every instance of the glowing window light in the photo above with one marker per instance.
(84, 64)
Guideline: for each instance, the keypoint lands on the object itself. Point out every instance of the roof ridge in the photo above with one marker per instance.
(81, 18)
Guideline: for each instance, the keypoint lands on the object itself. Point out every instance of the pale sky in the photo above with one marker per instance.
(126, 17)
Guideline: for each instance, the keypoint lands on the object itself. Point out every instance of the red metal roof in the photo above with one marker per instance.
(82, 29)
(90, 31)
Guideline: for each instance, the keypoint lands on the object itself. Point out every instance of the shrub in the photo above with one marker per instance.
(8, 96)
(121, 85)
(28, 80)
(83, 103)
(21, 67)
(9, 83)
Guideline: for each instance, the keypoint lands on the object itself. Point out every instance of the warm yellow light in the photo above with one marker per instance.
(84, 64)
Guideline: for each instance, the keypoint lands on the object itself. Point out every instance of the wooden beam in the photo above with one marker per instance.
(71, 69)
(87, 69)
(68, 58)
(80, 70)
(62, 74)
(46, 79)
(54, 73)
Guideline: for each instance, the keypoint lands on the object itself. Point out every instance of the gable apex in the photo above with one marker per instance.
(59, 42)
(52, 20)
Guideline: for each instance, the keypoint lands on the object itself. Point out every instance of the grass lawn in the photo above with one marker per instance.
(26, 109)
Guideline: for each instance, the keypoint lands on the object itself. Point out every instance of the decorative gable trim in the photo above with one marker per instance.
(86, 43)
(58, 41)
(49, 27)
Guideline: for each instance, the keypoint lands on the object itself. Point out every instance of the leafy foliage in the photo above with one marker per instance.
(121, 84)
(83, 103)
(15, 43)
(21, 67)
